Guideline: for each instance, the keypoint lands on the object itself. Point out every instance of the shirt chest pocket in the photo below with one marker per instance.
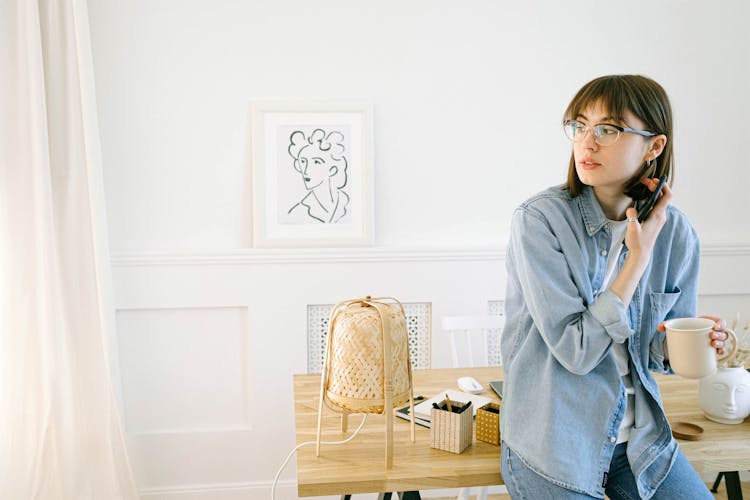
(661, 304)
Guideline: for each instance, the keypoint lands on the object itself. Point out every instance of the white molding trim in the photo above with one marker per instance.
(301, 256)
(725, 249)
(285, 489)
(221, 490)
(352, 255)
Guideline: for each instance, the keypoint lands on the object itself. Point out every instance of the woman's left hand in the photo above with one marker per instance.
(717, 335)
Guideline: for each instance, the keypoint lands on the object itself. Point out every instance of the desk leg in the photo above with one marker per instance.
(715, 487)
(734, 488)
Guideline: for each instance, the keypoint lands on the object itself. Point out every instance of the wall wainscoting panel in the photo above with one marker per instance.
(184, 369)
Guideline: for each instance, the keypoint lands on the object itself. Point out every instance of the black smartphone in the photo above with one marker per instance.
(645, 207)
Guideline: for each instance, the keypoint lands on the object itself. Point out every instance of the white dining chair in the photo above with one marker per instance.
(470, 339)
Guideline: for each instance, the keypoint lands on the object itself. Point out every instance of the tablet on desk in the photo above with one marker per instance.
(497, 386)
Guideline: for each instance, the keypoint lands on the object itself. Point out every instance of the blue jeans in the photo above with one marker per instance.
(682, 482)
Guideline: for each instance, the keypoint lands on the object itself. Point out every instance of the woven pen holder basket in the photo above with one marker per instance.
(488, 423)
(451, 431)
(367, 368)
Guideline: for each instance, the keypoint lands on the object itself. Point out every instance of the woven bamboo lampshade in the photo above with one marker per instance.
(367, 367)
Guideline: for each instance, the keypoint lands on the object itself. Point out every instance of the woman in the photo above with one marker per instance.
(320, 160)
(582, 412)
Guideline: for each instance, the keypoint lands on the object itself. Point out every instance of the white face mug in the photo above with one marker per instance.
(691, 354)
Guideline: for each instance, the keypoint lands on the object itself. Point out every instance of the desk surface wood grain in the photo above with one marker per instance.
(358, 466)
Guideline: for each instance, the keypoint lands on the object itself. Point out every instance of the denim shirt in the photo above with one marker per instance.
(564, 397)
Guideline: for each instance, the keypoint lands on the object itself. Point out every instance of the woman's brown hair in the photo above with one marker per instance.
(643, 97)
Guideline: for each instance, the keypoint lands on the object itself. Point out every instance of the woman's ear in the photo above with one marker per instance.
(657, 146)
(333, 171)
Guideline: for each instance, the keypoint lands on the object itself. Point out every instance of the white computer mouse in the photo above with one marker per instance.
(470, 385)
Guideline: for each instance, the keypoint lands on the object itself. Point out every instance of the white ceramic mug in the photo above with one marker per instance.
(691, 354)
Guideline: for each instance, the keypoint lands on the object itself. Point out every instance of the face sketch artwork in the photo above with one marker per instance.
(320, 160)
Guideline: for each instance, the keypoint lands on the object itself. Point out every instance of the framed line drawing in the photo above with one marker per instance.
(312, 174)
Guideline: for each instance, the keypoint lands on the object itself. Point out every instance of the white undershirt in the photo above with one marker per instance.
(622, 357)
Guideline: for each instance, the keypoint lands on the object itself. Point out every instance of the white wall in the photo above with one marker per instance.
(468, 98)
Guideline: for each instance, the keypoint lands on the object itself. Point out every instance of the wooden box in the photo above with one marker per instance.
(451, 431)
(488, 423)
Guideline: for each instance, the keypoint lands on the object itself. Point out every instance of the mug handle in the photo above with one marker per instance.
(735, 345)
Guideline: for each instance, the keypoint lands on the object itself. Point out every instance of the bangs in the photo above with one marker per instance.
(618, 94)
(609, 91)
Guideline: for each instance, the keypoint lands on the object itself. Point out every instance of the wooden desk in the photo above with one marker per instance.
(358, 467)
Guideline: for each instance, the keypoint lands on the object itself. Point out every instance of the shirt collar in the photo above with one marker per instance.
(593, 216)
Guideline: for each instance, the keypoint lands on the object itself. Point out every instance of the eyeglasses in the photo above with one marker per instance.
(604, 133)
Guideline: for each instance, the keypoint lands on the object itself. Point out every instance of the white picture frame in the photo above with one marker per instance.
(312, 174)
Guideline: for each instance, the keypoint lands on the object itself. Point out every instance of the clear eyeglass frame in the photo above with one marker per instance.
(604, 133)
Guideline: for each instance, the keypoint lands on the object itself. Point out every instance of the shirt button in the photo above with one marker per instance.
(612, 439)
(592, 228)
(604, 252)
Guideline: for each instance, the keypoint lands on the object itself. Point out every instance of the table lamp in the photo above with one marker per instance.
(367, 368)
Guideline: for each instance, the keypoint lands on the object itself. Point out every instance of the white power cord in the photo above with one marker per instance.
(276, 478)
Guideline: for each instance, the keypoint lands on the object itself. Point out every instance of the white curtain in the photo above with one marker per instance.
(60, 432)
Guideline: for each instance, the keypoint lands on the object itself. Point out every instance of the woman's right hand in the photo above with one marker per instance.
(640, 238)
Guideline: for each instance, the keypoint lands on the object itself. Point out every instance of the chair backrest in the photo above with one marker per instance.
(478, 334)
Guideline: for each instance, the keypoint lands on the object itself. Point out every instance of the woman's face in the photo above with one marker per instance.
(609, 167)
(316, 166)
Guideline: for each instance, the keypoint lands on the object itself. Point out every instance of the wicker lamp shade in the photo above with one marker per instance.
(367, 367)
